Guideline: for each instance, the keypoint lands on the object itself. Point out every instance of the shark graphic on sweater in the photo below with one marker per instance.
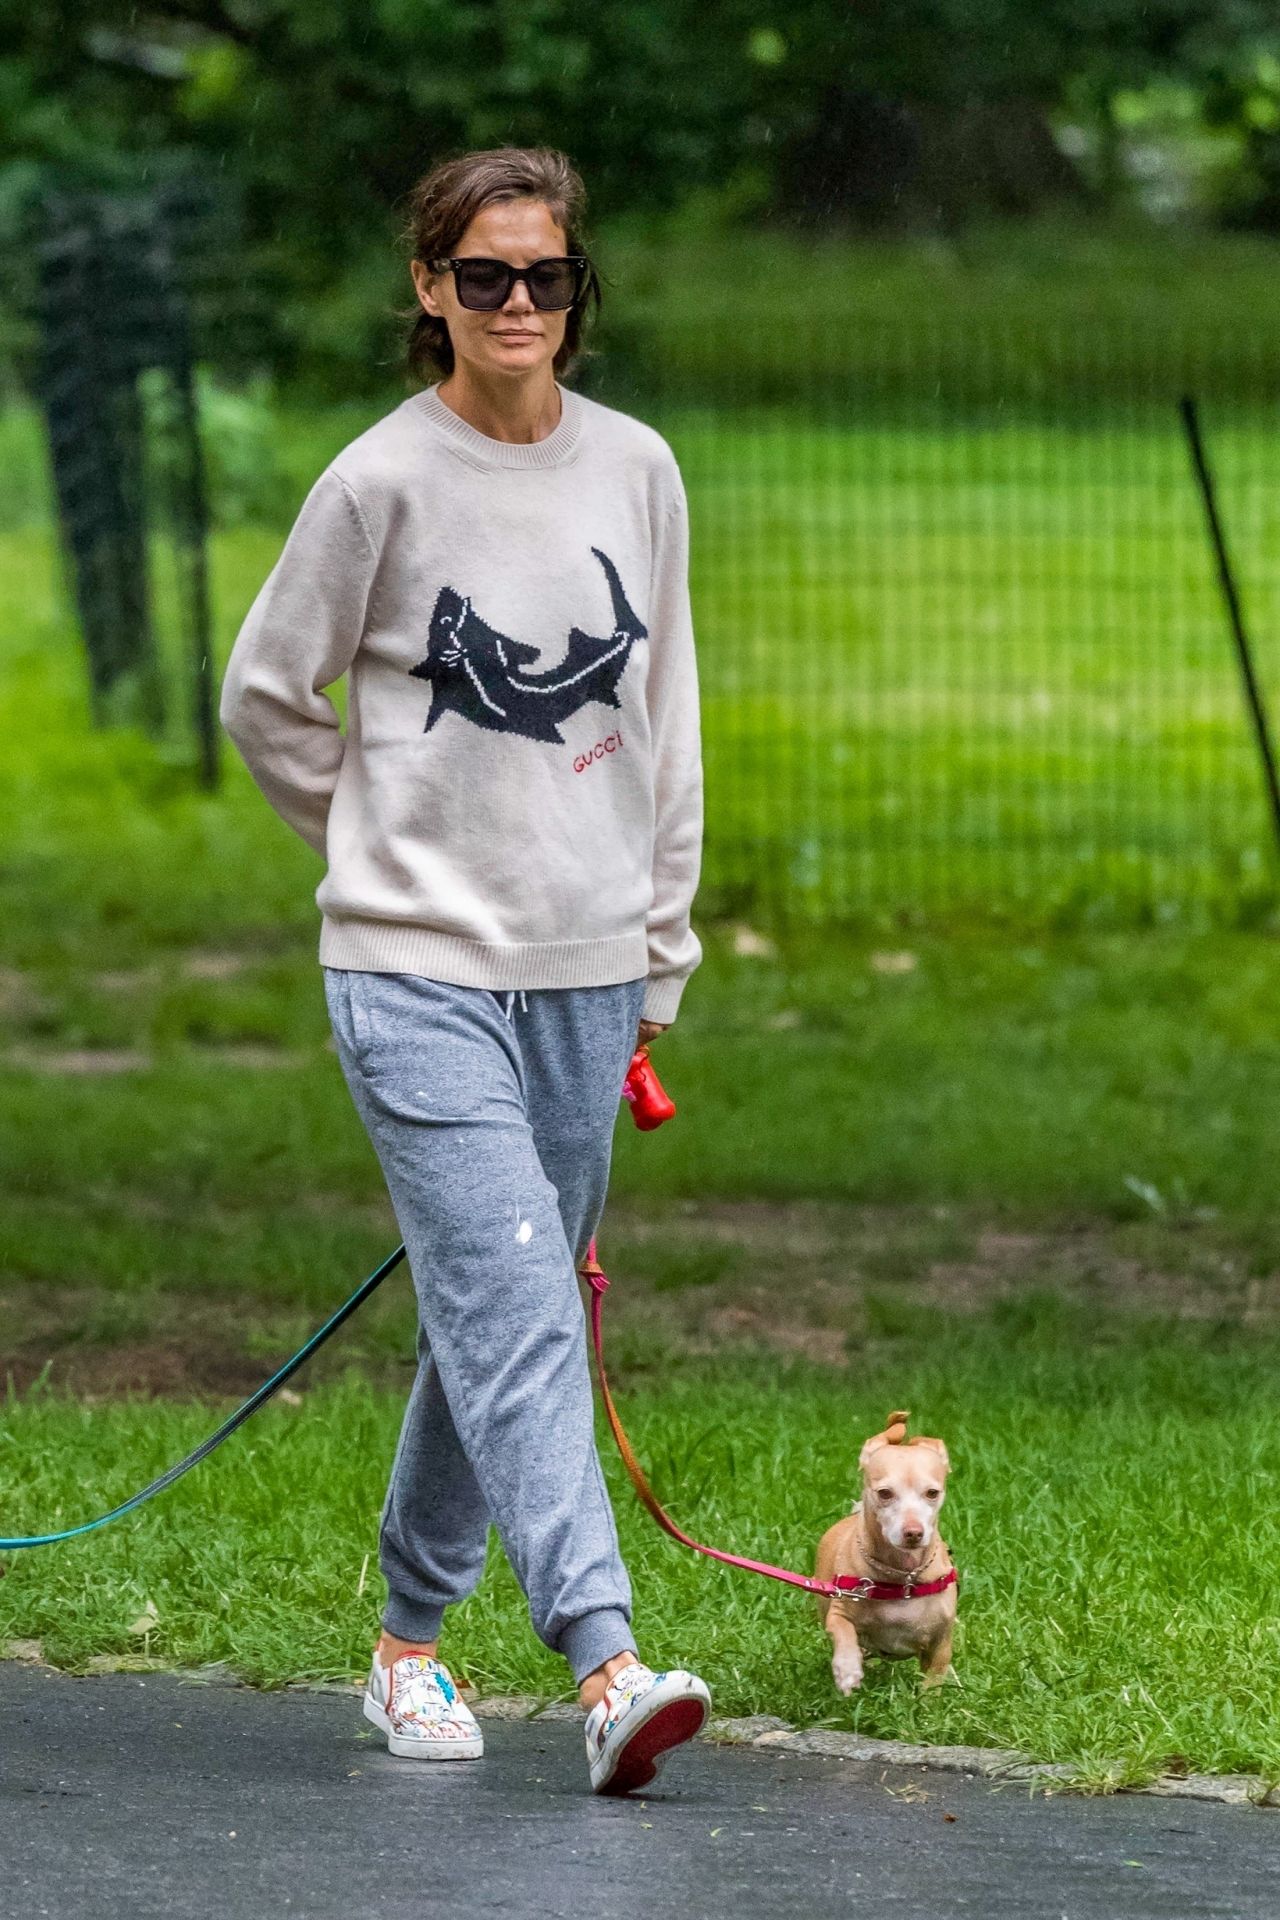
(487, 678)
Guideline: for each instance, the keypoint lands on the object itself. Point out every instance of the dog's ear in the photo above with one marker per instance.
(938, 1447)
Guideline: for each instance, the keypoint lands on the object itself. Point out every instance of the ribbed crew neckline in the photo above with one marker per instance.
(485, 451)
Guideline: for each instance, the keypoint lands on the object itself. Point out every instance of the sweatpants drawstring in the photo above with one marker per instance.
(511, 994)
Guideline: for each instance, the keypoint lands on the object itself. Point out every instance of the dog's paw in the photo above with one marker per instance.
(847, 1671)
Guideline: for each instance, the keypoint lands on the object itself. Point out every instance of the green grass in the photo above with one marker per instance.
(1111, 1510)
(716, 315)
(1098, 1076)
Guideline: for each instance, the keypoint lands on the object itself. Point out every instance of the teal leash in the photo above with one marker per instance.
(228, 1427)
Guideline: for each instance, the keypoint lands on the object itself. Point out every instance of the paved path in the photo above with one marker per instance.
(123, 1796)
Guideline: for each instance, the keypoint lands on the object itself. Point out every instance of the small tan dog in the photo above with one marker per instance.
(887, 1548)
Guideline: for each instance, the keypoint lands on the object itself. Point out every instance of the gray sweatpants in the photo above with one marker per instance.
(492, 1115)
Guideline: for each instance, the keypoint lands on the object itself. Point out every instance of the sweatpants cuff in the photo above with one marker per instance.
(410, 1619)
(593, 1638)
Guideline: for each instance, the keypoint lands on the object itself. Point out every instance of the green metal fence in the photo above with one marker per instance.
(963, 651)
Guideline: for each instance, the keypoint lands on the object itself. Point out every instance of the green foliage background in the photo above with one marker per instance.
(308, 120)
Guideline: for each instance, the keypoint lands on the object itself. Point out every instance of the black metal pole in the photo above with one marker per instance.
(1226, 578)
(198, 575)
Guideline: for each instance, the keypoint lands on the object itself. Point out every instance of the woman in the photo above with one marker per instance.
(515, 814)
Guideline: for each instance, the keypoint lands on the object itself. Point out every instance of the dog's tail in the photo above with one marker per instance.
(894, 1435)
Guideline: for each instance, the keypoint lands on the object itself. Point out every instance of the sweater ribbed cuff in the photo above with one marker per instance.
(662, 997)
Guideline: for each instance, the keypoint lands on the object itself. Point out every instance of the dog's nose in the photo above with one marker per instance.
(912, 1536)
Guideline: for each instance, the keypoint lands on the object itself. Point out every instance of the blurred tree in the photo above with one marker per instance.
(323, 112)
(937, 111)
(327, 110)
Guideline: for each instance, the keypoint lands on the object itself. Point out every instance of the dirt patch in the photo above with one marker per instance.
(826, 1345)
(794, 1228)
(194, 964)
(211, 965)
(254, 1056)
(103, 1345)
(20, 998)
(812, 1273)
(180, 1369)
(808, 1279)
(126, 979)
(78, 1060)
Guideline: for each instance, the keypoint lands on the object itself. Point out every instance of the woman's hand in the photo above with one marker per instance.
(649, 1030)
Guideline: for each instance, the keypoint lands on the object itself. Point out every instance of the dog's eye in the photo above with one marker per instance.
(933, 1493)
(884, 1493)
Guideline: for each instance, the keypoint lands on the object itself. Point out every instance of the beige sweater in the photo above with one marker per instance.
(517, 799)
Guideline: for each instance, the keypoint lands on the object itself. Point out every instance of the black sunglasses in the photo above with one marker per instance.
(485, 285)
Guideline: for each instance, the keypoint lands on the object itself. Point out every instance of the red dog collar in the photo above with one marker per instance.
(860, 1587)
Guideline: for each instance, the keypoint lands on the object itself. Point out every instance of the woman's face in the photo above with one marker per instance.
(518, 337)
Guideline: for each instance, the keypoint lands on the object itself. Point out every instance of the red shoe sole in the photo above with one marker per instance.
(638, 1763)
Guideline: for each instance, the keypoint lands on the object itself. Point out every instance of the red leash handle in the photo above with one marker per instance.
(651, 1104)
(648, 1099)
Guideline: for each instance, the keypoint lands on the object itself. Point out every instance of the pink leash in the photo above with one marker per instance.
(851, 1586)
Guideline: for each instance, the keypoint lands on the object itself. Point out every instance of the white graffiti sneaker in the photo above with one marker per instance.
(418, 1707)
(638, 1719)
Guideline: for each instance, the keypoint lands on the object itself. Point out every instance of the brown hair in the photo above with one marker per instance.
(442, 205)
